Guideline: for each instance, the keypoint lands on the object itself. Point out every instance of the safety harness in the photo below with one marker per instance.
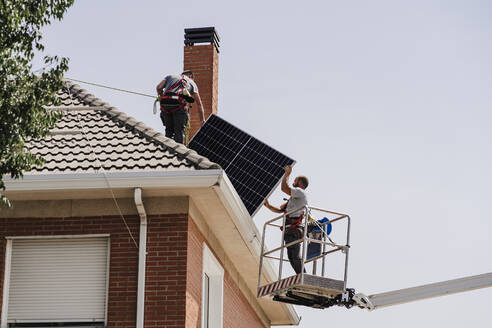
(293, 222)
(176, 98)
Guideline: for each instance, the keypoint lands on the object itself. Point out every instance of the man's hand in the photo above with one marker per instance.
(202, 121)
(288, 170)
(285, 180)
(266, 203)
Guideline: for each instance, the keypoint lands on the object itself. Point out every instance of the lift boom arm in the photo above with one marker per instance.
(406, 295)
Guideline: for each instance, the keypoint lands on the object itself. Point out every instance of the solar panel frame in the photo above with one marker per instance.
(237, 152)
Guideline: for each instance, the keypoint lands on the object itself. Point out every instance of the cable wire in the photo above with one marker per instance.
(107, 182)
(105, 176)
(112, 88)
(156, 101)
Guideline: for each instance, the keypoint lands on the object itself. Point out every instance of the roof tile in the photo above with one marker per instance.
(93, 134)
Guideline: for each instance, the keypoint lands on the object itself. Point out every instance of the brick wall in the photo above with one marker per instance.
(173, 275)
(166, 261)
(166, 271)
(203, 61)
(194, 276)
(237, 313)
(123, 260)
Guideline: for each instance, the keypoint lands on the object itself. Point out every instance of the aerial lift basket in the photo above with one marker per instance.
(314, 289)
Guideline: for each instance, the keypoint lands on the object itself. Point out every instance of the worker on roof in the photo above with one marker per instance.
(176, 92)
(293, 222)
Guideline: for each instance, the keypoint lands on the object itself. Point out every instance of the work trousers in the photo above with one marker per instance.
(175, 124)
(294, 251)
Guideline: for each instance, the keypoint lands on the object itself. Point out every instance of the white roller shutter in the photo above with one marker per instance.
(58, 280)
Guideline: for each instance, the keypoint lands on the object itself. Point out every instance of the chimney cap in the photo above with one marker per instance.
(201, 35)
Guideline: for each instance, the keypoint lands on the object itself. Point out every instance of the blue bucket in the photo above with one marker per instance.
(326, 227)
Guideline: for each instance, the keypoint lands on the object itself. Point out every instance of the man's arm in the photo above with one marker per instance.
(273, 208)
(160, 87)
(198, 100)
(285, 181)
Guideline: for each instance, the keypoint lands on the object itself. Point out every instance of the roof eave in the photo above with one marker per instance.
(80, 181)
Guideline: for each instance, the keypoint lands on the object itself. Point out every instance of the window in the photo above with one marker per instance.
(212, 290)
(55, 281)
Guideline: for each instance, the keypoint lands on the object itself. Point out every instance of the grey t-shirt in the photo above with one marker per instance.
(297, 199)
(173, 79)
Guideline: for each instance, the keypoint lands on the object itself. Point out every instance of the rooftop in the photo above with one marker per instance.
(92, 135)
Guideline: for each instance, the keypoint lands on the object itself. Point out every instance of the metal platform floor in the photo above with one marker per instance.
(304, 289)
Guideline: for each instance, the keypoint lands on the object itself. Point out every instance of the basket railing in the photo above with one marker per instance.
(326, 245)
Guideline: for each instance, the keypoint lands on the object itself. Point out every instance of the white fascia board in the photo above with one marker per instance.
(153, 179)
(249, 232)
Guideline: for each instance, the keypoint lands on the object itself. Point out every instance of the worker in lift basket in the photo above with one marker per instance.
(293, 222)
(176, 93)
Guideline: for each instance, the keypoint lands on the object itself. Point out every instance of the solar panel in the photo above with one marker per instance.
(254, 168)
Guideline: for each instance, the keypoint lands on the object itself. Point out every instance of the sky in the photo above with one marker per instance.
(385, 105)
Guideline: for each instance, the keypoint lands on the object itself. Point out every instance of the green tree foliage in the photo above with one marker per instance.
(23, 93)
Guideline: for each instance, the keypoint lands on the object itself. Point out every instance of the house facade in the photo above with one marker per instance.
(122, 227)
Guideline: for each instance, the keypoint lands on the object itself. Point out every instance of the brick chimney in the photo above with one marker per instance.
(203, 61)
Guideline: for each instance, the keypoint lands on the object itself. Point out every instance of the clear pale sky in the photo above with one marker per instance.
(385, 105)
